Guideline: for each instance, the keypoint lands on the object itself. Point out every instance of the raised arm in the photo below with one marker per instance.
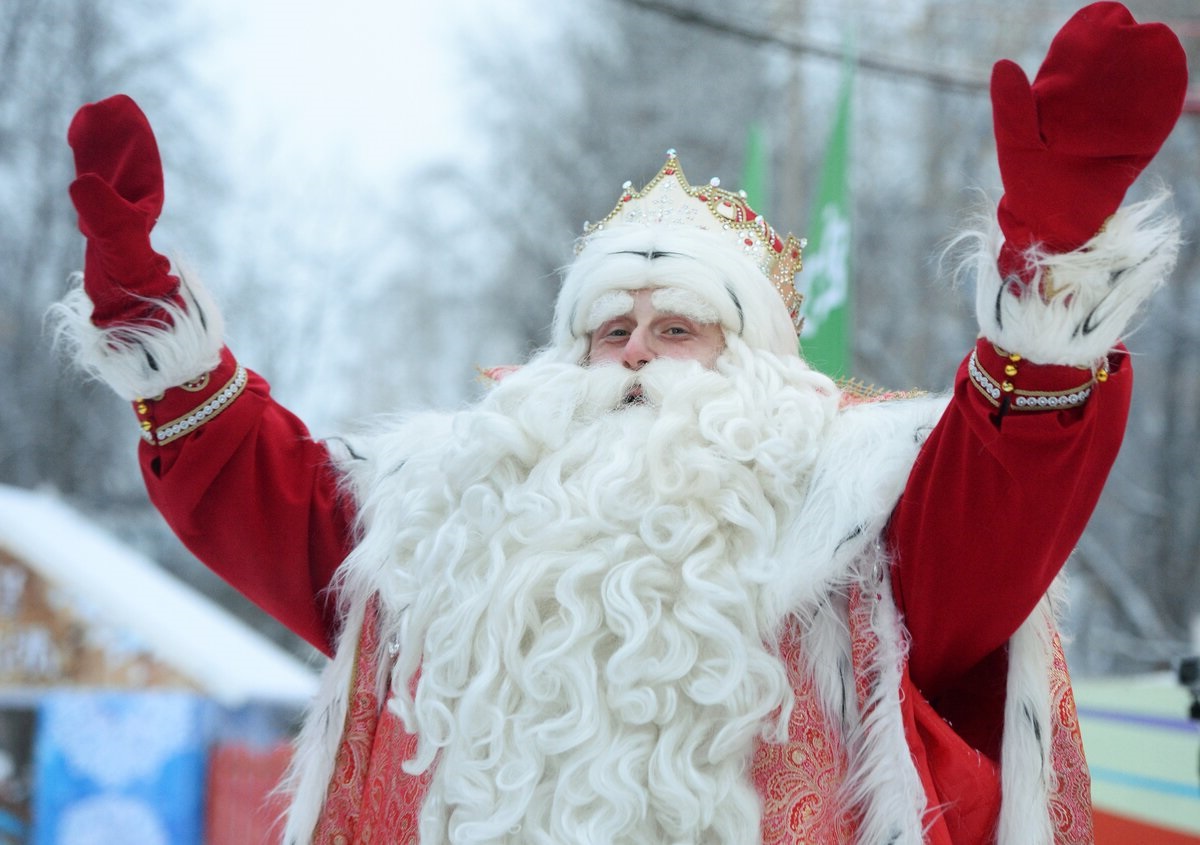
(1006, 484)
(237, 476)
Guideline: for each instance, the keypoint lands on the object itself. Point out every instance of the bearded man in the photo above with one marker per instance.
(665, 583)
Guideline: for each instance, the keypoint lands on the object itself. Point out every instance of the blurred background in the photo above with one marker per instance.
(381, 196)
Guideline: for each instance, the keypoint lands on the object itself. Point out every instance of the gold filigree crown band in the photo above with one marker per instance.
(669, 199)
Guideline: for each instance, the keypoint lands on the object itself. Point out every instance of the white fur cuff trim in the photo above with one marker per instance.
(142, 360)
(1079, 304)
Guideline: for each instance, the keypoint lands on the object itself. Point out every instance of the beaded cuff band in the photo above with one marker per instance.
(191, 421)
(1005, 392)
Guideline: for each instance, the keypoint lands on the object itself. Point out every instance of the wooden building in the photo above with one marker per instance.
(126, 697)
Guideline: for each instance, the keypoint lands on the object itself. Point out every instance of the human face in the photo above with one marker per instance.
(654, 328)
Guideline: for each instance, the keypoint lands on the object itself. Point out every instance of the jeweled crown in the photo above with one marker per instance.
(669, 199)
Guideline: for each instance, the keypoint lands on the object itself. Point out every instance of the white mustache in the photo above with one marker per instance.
(618, 387)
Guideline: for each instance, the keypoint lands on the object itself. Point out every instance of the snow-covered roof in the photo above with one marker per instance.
(178, 625)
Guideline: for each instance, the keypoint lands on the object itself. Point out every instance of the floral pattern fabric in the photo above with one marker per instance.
(371, 799)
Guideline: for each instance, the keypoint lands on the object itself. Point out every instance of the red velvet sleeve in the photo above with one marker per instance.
(995, 503)
(247, 490)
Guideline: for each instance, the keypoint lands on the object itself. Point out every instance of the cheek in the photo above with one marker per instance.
(599, 353)
(714, 345)
(713, 353)
(704, 351)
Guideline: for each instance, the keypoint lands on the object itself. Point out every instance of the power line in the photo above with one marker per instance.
(965, 81)
(970, 82)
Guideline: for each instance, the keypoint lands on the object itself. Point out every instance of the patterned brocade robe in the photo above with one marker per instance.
(371, 799)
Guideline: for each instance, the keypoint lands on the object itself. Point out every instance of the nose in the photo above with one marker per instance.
(638, 350)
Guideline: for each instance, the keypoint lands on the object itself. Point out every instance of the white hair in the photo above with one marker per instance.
(627, 256)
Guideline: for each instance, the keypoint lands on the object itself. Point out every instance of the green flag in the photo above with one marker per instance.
(825, 280)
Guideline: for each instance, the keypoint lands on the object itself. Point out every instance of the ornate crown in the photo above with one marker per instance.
(669, 199)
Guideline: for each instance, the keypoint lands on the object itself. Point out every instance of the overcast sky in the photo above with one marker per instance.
(368, 83)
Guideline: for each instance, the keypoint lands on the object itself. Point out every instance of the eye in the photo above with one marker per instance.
(615, 330)
(678, 328)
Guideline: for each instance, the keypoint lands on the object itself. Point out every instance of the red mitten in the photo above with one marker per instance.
(1070, 145)
(118, 193)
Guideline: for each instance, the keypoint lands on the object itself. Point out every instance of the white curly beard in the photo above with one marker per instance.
(582, 592)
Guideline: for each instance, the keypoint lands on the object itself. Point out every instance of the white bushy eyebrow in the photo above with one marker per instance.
(684, 303)
(608, 306)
